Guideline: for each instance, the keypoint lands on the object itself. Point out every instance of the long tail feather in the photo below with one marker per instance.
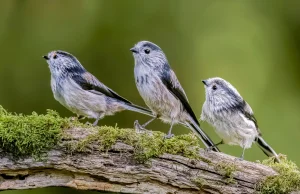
(262, 144)
(202, 135)
(139, 109)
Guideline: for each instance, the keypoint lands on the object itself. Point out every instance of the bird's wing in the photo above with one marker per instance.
(170, 80)
(90, 83)
(248, 113)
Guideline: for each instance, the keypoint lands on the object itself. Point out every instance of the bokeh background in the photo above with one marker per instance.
(253, 44)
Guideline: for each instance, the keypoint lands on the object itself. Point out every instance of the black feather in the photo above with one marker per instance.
(151, 46)
(240, 104)
(251, 117)
(177, 92)
(84, 84)
(76, 69)
(242, 108)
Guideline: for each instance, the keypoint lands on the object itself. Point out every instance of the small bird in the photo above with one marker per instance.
(81, 92)
(161, 90)
(232, 117)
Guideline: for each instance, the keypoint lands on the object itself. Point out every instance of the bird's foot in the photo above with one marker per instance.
(88, 123)
(169, 136)
(73, 119)
(209, 148)
(77, 118)
(140, 128)
(239, 158)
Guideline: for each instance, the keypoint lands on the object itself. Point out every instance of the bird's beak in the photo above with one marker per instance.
(133, 50)
(204, 82)
(46, 57)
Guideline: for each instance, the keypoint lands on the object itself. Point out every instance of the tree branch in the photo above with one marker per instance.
(117, 170)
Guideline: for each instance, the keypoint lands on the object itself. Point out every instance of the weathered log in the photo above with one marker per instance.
(117, 170)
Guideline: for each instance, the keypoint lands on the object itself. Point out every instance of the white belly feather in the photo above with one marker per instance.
(233, 128)
(83, 102)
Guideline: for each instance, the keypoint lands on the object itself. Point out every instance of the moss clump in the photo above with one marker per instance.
(287, 181)
(205, 160)
(146, 145)
(187, 145)
(227, 170)
(200, 182)
(30, 134)
(33, 135)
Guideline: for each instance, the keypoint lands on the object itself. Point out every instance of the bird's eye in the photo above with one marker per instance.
(147, 51)
(54, 56)
(214, 87)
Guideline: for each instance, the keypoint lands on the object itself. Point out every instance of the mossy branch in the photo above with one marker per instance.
(47, 150)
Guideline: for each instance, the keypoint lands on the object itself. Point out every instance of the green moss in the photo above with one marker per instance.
(30, 134)
(287, 181)
(227, 170)
(200, 182)
(33, 135)
(205, 160)
(186, 145)
(146, 145)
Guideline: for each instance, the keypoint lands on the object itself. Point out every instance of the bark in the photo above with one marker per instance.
(117, 171)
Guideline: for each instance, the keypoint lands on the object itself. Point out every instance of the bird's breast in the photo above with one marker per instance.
(155, 94)
(57, 89)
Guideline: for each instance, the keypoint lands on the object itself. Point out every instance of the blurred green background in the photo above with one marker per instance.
(255, 45)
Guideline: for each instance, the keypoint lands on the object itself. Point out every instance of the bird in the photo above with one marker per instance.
(232, 117)
(160, 89)
(81, 92)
